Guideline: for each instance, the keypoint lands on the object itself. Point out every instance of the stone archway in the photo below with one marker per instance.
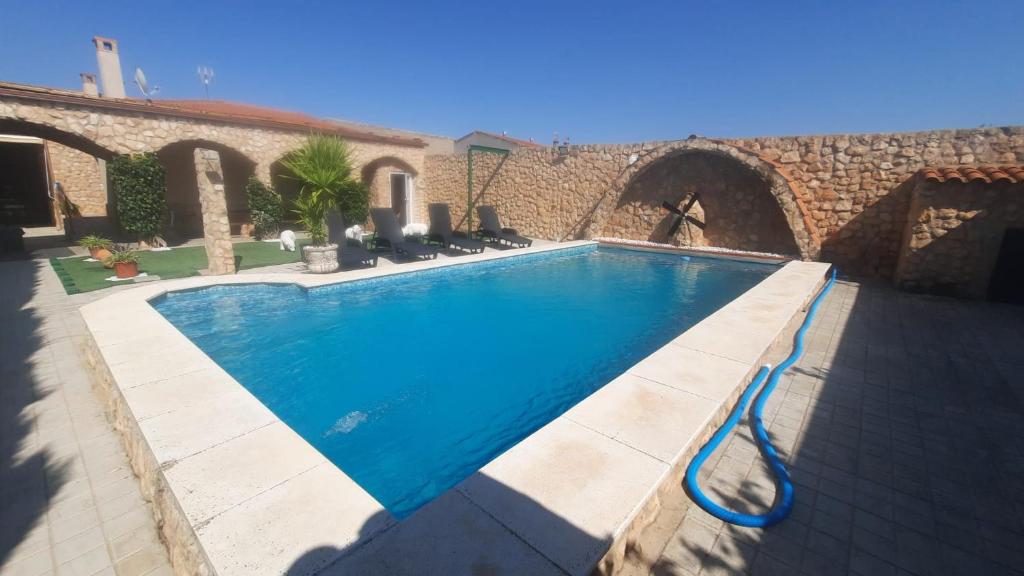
(185, 215)
(71, 166)
(376, 174)
(753, 181)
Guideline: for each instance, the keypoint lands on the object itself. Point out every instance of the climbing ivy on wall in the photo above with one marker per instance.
(265, 208)
(138, 182)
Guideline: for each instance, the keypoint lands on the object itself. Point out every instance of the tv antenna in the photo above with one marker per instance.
(140, 81)
(205, 76)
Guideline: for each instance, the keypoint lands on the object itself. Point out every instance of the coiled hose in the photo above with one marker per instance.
(784, 499)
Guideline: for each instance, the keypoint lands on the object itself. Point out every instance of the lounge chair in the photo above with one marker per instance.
(388, 233)
(490, 227)
(441, 231)
(350, 255)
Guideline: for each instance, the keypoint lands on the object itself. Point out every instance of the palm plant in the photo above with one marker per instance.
(323, 168)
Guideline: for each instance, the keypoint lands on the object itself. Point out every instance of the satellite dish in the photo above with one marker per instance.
(140, 81)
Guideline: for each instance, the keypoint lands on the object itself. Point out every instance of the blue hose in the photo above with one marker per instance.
(784, 500)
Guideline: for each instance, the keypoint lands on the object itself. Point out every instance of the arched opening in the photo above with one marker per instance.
(184, 212)
(737, 204)
(49, 177)
(288, 188)
(392, 183)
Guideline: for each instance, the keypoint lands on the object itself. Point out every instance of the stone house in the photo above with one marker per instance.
(71, 134)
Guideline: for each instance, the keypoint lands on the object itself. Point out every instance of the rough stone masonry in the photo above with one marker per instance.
(843, 198)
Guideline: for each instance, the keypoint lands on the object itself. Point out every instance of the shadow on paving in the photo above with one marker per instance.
(29, 473)
(454, 535)
(903, 429)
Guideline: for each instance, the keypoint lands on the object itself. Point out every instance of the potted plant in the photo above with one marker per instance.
(323, 168)
(98, 246)
(125, 263)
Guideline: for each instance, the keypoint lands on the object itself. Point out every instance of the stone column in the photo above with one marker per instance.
(216, 229)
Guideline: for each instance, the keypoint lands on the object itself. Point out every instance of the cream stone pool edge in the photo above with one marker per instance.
(229, 495)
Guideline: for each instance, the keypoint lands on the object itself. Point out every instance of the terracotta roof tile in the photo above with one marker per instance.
(215, 110)
(507, 138)
(964, 174)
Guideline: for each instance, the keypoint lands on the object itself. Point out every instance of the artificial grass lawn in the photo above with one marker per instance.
(77, 275)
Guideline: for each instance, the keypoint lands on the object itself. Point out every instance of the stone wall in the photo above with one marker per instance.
(840, 195)
(82, 176)
(953, 235)
(851, 184)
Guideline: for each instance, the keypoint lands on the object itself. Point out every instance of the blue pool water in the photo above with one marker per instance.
(411, 383)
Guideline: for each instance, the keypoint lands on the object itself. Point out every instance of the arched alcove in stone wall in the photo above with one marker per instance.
(735, 204)
(746, 202)
(185, 215)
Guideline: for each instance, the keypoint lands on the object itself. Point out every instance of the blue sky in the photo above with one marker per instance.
(594, 71)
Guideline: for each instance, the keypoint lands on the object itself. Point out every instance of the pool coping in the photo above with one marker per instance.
(243, 493)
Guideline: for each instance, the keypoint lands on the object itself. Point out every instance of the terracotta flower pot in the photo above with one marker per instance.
(126, 269)
(102, 254)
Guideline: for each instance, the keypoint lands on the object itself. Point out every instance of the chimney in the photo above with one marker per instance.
(109, 63)
(89, 87)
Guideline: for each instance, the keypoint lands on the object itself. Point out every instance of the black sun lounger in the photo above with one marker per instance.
(389, 233)
(349, 255)
(441, 230)
(490, 227)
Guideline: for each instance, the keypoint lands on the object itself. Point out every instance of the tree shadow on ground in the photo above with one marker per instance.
(457, 534)
(30, 475)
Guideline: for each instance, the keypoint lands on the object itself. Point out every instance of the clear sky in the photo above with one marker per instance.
(594, 71)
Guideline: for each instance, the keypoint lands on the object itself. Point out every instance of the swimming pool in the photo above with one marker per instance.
(410, 383)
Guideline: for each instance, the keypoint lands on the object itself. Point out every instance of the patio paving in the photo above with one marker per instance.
(68, 499)
(903, 427)
(902, 424)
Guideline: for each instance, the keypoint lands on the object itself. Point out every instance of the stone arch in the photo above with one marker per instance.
(72, 159)
(185, 218)
(375, 174)
(782, 189)
(46, 132)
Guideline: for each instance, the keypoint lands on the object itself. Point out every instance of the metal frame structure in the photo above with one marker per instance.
(469, 181)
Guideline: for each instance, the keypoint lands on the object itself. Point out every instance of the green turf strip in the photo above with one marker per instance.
(77, 275)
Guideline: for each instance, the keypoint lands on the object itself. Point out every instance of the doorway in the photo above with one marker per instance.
(24, 185)
(1008, 275)
(400, 194)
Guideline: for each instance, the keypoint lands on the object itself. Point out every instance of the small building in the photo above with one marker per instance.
(491, 140)
(965, 233)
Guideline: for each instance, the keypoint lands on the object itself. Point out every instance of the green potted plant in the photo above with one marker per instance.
(125, 262)
(98, 246)
(323, 169)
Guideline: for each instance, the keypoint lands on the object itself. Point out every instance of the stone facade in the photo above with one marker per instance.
(82, 177)
(841, 195)
(953, 235)
(103, 132)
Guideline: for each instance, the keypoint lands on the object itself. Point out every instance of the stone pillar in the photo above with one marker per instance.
(216, 228)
